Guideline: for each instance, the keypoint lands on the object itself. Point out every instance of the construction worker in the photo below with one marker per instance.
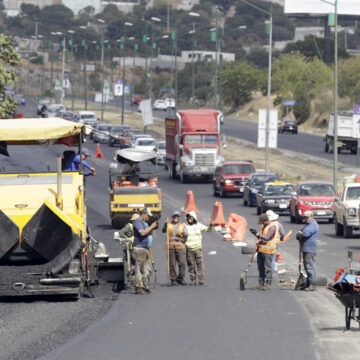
(176, 238)
(73, 162)
(194, 254)
(141, 253)
(272, 217)
(268, 236)
(131, 168)
(308, 236)
(127, 232)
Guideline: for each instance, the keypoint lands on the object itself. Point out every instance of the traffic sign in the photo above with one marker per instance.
(273, 128)
(289, 102)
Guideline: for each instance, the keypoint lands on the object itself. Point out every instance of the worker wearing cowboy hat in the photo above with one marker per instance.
(176, 237)
(268, 237)
(194, 254)
(275, 217)
(308, 237)
(127, 231)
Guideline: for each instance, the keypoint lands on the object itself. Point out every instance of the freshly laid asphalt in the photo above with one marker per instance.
(214, 321)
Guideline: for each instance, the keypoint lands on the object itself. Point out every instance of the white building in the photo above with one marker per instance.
(12, 7)
(125, 6)
(199, 55)
(77, 5)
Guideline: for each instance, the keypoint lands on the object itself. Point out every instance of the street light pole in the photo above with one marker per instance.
(73, 69)
(123, 75)
(336, 100)
(216, 50)
(102, 70)
(193, 61)
(267, 131)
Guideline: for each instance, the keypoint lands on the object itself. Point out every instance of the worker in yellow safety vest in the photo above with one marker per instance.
(194, 253)
(127, 231)
(268, 237)
(176, 235)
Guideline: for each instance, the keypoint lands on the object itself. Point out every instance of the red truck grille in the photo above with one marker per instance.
(204, 159)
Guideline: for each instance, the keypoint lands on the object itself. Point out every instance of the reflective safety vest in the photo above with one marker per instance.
(194, 238)
(132, 237)
(269, 247)
(175, 241)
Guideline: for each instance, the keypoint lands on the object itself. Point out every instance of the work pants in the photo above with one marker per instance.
(264, 262)
(177, 256)
(195, 257)
(143, 267)
(310, 268)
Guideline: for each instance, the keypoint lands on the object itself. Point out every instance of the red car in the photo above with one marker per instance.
(126, 137)
(137, 100)
(315, 196)
(231, 176)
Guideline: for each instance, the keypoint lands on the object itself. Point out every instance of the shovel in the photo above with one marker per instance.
(301, 282)
(243, 276)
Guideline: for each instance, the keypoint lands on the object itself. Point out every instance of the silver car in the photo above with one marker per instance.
(101, 133)
(161, 152)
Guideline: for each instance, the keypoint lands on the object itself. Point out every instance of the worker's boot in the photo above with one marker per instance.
(260, 286)
(138, 290)
(267, 285)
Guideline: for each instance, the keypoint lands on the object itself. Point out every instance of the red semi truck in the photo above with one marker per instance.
(192, 143)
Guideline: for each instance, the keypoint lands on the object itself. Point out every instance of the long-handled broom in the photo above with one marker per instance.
(243, 276)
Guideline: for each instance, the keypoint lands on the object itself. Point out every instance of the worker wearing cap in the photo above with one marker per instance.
(194, 254)
(127, 231)
(308, 236)
(268, 237)
(73, 163)
(141, 252)
(176, 234)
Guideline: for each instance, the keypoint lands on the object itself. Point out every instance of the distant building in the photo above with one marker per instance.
(302, 32)
(125, 6)
(12, 7)
(199, 55)
(77, 5)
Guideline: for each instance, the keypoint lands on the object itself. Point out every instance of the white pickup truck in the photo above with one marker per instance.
(346, 210)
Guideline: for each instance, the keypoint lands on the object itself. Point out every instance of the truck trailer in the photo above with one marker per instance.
(193, 143)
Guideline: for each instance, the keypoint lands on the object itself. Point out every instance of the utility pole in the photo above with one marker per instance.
(216, 50)
(73, 69)
(336, 101)
(63, 72)
(123, 75)
(176, 78)
(146, 68)
(42, 69)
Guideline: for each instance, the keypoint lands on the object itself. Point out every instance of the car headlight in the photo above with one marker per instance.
(228, 182)
(351, 212)
(270, 201)
(116, 136)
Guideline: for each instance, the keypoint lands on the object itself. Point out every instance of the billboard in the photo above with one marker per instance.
(345, 7)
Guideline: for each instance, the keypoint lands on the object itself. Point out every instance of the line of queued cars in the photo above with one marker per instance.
(266, 191)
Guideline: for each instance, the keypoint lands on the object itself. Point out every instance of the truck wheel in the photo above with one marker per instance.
(222, 192)
(245, 202)
(331, 147)
(348, 231)
(298, 218)
(353, 150)
(258, 210)
(326, 146)
(292, 218)
(339, 228)
(171, 170)
(215, 190)
(183, 178)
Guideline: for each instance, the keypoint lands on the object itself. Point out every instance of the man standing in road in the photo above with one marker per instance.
(176, 237)
(141, 253)
(194, 254)
(268, 237)
(73, 163)
(272, 218)
(308, 237)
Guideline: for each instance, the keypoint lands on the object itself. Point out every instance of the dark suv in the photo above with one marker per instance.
(288, 126)
(254, 184)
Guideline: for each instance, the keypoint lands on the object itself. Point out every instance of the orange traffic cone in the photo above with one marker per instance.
(278, 257)
(98, 154)
(189, 203)
(237, 226)
(217, 217)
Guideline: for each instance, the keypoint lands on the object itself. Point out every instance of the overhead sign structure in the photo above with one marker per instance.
(345, 7)
(273, 128)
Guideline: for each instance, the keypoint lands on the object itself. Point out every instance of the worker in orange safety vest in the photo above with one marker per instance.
(268, 237)
(175, 242)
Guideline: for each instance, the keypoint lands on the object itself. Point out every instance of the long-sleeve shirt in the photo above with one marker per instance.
(194, 237)
(270, 234)
(310, 234)
(73, 164)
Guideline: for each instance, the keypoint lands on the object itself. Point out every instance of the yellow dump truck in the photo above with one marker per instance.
(45, 248)
(132, 189)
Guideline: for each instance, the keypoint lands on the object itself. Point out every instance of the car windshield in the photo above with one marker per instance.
(200, 139)
(279, 190)
(103, 127)
(87, 116)
(161, 146)
(117, 130)
(262, 179)
(131, 133)
(238, 169)
(353, 193)
(317, 190)
(67, 114)
(289, 122)
(146, 143)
